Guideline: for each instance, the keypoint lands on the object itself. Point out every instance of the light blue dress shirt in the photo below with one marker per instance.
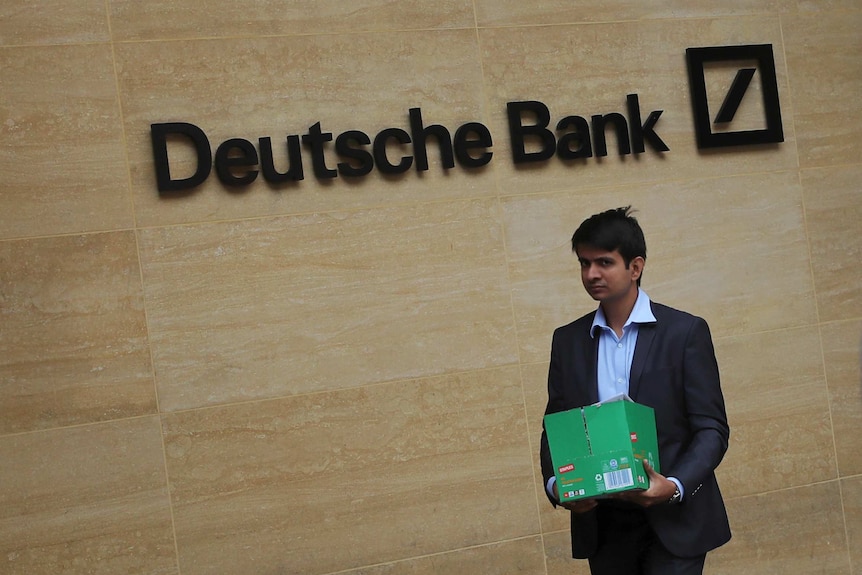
(616, 353)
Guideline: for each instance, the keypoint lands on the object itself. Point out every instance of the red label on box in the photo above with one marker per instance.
(634, 437)
(568, 467)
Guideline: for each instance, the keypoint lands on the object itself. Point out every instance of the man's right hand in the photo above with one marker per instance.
(579, 506)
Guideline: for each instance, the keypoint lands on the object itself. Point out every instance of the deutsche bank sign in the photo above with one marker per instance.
(353, 154)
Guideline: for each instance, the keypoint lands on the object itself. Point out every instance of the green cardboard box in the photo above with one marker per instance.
(599, 449)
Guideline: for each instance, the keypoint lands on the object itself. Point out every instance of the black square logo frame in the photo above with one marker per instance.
(760, 53)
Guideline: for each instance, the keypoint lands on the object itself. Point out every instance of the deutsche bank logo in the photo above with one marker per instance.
(716, 131)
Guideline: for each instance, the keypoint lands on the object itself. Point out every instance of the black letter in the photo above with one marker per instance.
(575, 144)
(463, 144)
(619, 123)
(380, 151)
(517, 131)
(314, 139)
(420, 135)
(363, 160)
(267, 164)
(224, 162)
(159, 134)
(639, 132)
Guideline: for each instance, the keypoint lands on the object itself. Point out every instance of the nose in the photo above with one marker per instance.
(590, 271)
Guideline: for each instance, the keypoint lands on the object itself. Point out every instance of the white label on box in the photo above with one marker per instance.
(619, 479)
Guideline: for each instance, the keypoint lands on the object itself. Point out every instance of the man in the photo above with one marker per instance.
(660, 357)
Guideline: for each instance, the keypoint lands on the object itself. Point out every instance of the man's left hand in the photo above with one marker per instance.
(661, 489)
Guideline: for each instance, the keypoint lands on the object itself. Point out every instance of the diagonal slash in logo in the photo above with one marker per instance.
(734, 96)
(762, 54)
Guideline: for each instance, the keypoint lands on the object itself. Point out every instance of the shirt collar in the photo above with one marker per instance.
(641, 313)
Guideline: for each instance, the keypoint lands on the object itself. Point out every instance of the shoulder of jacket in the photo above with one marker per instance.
(582, 323)
(670, 314)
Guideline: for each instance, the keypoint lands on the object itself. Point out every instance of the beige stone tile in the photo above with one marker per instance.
(61, 148)
(833, 217)
(778, 409)
(825, 80)
(731, 250)
(280, 87)
(87, 500)
(558, 555)
(52, 22)
(535, 381)
(522, 556)
(508, 12)
(842, 352)
(73, 343)
(131, 20)
(590, 69)
(851, 494)
(289, 305)
(827, 5)
(333, 481)
(789, 531)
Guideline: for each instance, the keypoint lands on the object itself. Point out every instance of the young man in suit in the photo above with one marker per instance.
(660, 357)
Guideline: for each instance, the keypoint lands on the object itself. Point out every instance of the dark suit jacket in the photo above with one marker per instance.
(674, 371)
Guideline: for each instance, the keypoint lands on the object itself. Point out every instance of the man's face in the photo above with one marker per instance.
(605, 275)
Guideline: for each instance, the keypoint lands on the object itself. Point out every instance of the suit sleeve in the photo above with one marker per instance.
(704, 404)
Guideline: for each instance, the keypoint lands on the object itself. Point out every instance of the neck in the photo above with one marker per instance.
(617, 311)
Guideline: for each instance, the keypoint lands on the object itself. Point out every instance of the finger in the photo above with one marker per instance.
(651, 473)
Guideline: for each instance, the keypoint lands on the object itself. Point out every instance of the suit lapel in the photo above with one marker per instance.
(591, 353)
(646, 335)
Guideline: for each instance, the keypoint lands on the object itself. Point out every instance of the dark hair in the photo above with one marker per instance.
(612, 230)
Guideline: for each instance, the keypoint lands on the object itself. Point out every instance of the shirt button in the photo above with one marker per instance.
(619, 345)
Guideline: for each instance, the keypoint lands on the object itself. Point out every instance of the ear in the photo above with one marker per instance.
(636, 267)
